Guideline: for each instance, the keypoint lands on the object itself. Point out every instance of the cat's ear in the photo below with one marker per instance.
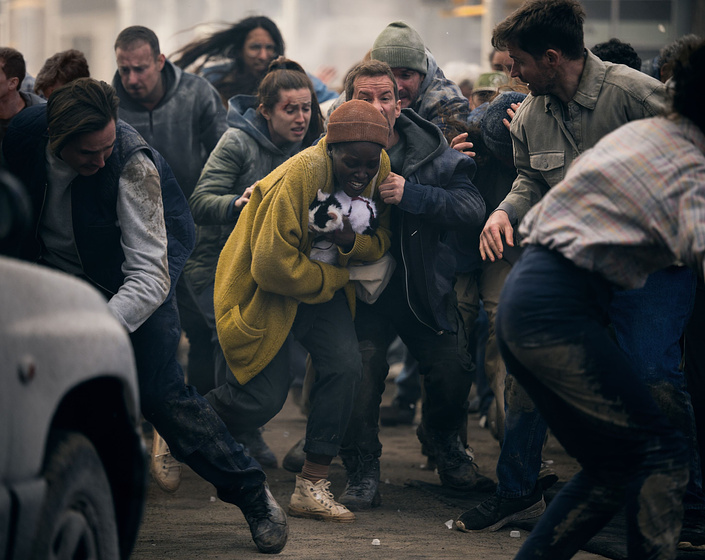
(321, 195)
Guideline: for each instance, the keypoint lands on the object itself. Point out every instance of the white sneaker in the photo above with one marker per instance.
(315, 501)
(166, 470)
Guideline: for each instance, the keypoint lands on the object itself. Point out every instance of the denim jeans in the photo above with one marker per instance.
(194, 432)
(553, 334)
(695, 366)
(444, 365)
(647, 324)
(326, 330)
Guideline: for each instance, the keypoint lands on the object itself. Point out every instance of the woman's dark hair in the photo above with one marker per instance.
(227, 44)
(231, 76)
(670, 52)
(483, 156)
(285, 74)
(689, 82)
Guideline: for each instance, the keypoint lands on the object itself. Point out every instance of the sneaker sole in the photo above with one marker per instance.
(295, 512)
(166, 487)
(690, 547)
(529, 513)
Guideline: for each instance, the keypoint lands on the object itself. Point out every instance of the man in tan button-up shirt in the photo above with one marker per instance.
(576, 99)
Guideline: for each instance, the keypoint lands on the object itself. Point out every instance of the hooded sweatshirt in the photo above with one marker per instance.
(184, 127)
(439, 197)
(244, 154)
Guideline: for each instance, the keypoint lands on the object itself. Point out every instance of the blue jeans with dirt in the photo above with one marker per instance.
(194, 432)
(553, 332)
(647, 324)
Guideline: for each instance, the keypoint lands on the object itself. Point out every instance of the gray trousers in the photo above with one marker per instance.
(327, 332)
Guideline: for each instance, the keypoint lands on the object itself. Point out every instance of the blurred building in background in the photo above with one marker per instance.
(322, 32)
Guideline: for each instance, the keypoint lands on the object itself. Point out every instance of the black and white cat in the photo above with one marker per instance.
(325, 214)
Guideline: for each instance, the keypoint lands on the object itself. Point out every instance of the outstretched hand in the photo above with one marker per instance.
(459, 143)
(497, 225)
(245, 197)
(513, 108)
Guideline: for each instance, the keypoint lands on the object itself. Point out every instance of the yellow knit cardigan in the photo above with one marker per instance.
(264, 271)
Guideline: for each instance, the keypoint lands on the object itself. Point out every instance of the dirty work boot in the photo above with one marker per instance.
(295, 457)
(495, 512)
(266, 519)
(165, 470)
(455, 466)
(257, 448)
(315, 501)
(362, 489)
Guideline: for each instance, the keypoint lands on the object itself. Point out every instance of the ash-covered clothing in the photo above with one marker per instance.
(419, 302)
(143, 239)
(185, 125)
(633, 204)
(438, 197)
(439, 99)
(264, 271)
(194, 432)
(548, 135)
(552, 328)
(244, 154)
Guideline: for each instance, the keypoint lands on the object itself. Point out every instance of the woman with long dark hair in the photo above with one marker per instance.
(235, 60)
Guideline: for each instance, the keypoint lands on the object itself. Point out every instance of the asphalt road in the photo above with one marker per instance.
(410, 524)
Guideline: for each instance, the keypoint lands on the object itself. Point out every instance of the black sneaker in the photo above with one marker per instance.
(266, 519)
(495, 512)
(362, 489)
(693, 532)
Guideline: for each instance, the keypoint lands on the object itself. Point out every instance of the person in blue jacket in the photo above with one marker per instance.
(431, 193)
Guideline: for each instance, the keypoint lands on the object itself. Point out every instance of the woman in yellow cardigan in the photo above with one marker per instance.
(266, 286)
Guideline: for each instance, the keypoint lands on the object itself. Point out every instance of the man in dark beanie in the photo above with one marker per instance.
(422, 85)
(268, 287)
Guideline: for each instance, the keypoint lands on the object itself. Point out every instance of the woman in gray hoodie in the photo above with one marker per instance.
(264, 131)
